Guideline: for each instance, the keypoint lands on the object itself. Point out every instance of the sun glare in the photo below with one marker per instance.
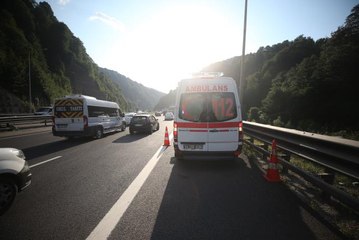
(177, 42)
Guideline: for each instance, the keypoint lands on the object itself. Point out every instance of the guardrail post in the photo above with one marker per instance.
(328, 177)
(286, 156)
(266, 148)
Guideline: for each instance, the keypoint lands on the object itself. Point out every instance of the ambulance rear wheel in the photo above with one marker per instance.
(178, 155)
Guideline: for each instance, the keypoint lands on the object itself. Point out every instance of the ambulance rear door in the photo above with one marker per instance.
(192, 131)
(223, 123)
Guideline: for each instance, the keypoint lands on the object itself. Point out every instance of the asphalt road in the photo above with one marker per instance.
(130, 187)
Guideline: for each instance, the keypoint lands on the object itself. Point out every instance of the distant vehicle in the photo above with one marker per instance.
(128, 117)
(44, 111)
(15, 176)
(144, 123)
(158, 114)
(208, 117)
(80, 115)
(169, 116)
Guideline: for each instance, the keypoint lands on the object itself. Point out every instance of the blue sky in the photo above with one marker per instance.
(158, 42)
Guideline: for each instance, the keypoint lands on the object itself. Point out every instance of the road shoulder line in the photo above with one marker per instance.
(114, 215)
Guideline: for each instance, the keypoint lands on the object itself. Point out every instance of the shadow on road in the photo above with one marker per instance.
(228, 200)
(131, 138)
(53, 147)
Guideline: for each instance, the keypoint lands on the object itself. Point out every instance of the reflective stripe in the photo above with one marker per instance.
(207, 125)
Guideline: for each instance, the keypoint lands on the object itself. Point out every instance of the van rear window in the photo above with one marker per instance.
(208, 107)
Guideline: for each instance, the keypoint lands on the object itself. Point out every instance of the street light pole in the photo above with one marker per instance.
(241, 79)
(30, 97)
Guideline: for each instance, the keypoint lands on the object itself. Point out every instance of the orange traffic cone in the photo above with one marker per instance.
(167, 140)
(272, 171)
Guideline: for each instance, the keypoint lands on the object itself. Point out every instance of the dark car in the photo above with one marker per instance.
(144, 123)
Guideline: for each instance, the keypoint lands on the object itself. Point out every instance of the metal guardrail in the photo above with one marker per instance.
(13, 122)
(333, 153)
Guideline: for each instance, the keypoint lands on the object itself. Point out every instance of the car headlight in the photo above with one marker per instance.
(19, 153)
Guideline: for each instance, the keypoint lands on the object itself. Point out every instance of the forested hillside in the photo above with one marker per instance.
(138, 96)
(166, 101)
(31, 38)
(303, 84)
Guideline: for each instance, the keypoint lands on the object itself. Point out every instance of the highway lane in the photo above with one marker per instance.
(180, 199)
(69, 196)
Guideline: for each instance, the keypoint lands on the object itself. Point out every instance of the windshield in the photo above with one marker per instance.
(207, 107)
(139, 119)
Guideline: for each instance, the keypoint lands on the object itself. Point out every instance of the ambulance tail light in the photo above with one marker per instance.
(86, 121)
(175, 132)
(240, 131)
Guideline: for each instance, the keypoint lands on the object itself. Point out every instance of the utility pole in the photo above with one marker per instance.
(30, 97)
(241, 79)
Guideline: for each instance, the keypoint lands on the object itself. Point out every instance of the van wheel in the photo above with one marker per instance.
(99, 133)
(123, 127)
(178, 155)
(8, 190)
(131, 131)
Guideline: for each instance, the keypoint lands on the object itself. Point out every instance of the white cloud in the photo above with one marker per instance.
(63, 2)
(108, 20)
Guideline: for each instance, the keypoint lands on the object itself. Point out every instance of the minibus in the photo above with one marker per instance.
(81, 115)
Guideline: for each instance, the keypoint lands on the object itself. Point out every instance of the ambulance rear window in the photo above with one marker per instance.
(208, 107)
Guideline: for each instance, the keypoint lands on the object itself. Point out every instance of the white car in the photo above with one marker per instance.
(44, 111)
(169, 116)
(15, 176)
(128, 117)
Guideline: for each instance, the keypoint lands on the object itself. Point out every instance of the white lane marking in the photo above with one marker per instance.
(51, 159)
(109, 222)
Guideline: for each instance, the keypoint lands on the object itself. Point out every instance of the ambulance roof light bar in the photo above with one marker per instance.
(207, 74)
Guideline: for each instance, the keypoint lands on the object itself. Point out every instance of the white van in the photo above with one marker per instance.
(80, 115)
(208, 118)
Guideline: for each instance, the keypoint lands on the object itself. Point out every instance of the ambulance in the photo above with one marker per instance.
(81, 115)
(208, 120)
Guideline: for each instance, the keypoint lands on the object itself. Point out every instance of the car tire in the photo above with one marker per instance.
(158, 127)
(150, 131)
(99, 133)
(123, 127)
(132, 132)
(8, 190)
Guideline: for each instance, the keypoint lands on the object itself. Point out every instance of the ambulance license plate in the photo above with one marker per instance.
(193, 146)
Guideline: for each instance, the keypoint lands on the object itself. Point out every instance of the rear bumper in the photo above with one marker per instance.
(145, 128)
(85, 133)
(207, 154)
